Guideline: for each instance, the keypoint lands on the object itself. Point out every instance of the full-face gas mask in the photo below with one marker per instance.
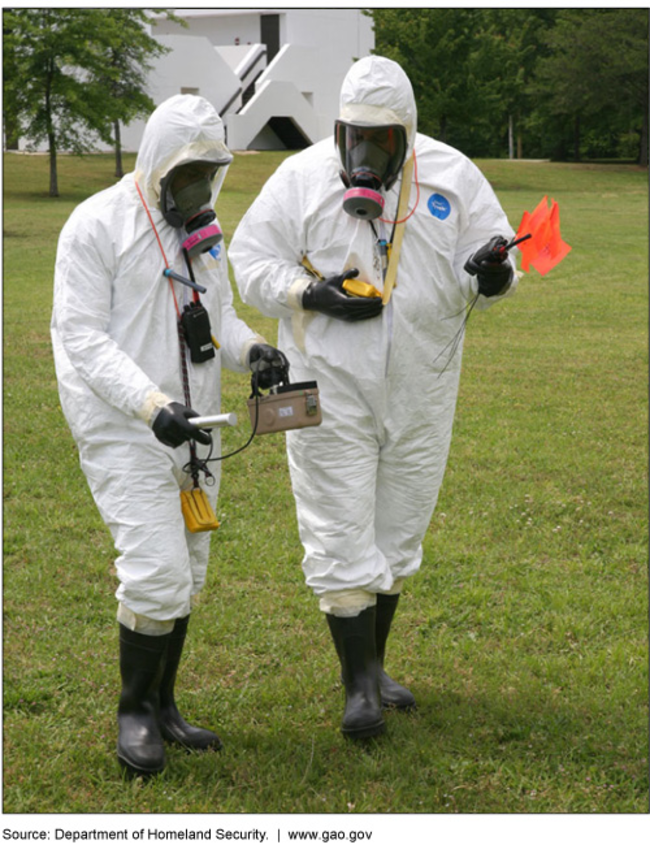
(185, 201)
(372, 157)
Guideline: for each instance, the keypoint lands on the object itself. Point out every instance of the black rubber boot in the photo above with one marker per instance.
(172, 725)
(392, 693)
(140, 748)
(354, 639)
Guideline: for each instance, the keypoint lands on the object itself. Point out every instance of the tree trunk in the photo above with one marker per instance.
(119, 171)
(576, 138)
(51, 135)
(54, 181)
(643, 150)
(12, 133)
(511, 139)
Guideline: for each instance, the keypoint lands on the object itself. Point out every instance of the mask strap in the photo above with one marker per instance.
(391, 274)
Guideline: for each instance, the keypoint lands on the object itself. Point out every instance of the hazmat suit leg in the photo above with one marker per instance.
(333, 477)
(366, 484)
(160, 565)
(335, 505)
(411, 468)
(160, 568)
(408, 481)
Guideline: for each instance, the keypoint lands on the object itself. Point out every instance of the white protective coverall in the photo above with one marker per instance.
(117, 356)
(367, 480)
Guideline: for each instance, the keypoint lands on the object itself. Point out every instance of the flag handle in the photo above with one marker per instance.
(499, 250)
(518, 241)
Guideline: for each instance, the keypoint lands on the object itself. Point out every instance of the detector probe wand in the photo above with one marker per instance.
(214, 421)
(170, 274)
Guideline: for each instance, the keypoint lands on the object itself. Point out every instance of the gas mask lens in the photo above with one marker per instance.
(193, 204)
(187, 195)
(192, 198)
(371, 158)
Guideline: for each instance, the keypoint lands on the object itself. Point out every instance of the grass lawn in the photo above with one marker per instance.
(524, 637)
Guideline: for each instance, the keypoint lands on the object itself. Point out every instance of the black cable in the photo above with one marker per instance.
(201, 463)
(456, 339)
(250, 439)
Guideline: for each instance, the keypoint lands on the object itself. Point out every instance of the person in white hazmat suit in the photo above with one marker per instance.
(129, 383)
(366, 480)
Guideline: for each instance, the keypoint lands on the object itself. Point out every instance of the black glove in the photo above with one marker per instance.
(172, 428)
(271, 365)
(328, 297)
(490, 264)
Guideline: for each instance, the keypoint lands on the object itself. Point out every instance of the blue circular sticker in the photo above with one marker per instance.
(439, 206)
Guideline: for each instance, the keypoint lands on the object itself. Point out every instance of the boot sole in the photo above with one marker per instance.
(135, 771)
(176, 737)
(216, 745)
(365, 732)
(403, 708)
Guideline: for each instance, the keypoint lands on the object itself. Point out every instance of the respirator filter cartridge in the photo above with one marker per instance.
(363, 203)
(202, 239)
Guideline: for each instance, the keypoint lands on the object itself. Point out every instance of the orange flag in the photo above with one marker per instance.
(545, 247)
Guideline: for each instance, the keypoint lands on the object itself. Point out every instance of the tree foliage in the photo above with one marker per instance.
(128, 60)
(596, 75)
(70, 75)
(47, 61)
(567, 83)
(555, 83)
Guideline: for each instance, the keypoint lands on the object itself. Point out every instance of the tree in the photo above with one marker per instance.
(129, 57)
(469, 68)
(9, 105)
(47, 57)
(555, 80)
(510, 44)
(59, 66)
(434, 48)
(597, 74)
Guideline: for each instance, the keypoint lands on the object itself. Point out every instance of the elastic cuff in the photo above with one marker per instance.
(347, 602)
(152, 404)
(396, 589)
(295, 292)
(244, 355)
(143, 624)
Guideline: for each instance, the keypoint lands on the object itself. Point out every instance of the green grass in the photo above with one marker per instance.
(524, 637)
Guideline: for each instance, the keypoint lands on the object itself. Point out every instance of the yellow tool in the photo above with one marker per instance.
(197, 511)
(355, 287)
(306, 263)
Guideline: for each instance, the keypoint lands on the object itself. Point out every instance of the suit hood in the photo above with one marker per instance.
(376, 91)
(182, 129)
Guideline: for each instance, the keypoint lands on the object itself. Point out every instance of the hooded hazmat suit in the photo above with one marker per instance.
(117, 356)
(366, 481)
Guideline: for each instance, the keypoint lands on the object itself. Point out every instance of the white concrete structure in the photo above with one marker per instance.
(274, 75)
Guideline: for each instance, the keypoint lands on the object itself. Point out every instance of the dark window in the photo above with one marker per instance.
(270, 35)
